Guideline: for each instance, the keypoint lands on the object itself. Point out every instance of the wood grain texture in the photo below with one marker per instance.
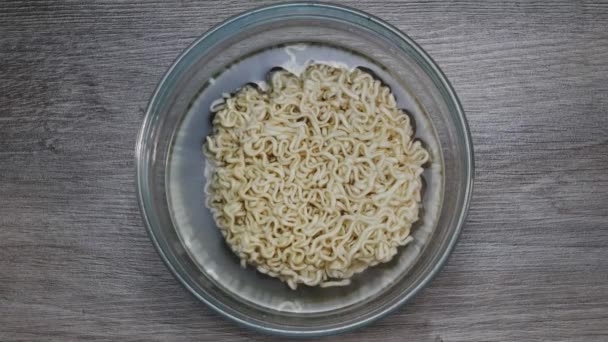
(76, 263)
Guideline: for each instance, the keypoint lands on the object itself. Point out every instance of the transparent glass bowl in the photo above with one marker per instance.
(170, 166)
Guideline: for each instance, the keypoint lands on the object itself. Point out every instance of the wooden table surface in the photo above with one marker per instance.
(76, 263)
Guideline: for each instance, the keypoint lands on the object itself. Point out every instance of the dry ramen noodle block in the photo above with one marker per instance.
(317, 178)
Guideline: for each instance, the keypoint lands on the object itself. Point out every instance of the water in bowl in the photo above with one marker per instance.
(185, 183)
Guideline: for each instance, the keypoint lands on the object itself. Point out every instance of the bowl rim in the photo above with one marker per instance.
(150, 115)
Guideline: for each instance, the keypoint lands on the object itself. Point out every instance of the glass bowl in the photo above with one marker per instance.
(170, 164)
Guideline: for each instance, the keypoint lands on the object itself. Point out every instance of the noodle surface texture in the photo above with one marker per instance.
(316, 178)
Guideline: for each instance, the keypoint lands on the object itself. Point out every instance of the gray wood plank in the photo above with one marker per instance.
(76, 263)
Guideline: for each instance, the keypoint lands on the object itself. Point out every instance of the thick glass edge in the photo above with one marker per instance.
(321, 10)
